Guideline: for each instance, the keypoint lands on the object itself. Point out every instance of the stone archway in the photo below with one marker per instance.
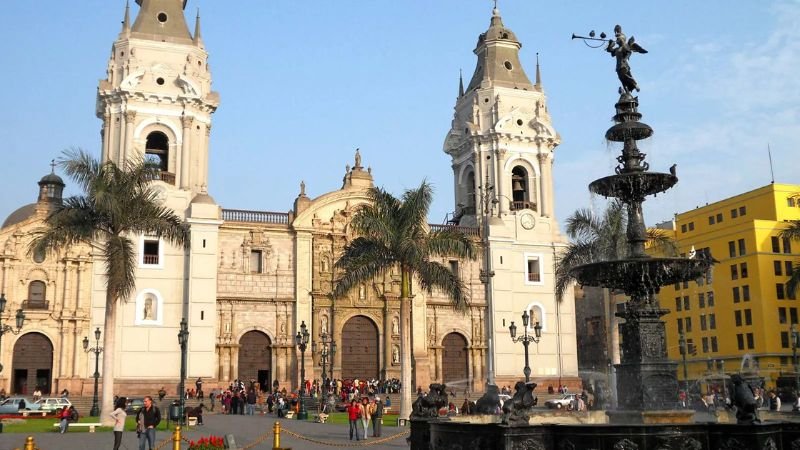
(32, 364)
(360, 349)
(455, 363)
(255, 359)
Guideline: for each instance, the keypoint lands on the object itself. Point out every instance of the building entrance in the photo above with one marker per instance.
(359, 349)
(32, 364)
(255, 359)
(454, 361)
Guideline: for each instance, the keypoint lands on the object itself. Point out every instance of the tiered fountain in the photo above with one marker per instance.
(647, 416)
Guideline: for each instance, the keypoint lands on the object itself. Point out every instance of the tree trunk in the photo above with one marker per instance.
(405, 346)
(109, 340)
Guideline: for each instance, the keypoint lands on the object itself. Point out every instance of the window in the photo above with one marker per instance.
(683, 228)
(734, 272)
(255, 261)
(731, 249)
(680, 325)
(779, 291)
(533, 269)
(719, 217)
(710, 296)
(686, 305)
(712, 321)
(454, 267)
(686, 285)
(746, 293)
(150, 252)
(778, 268)
(714, 347)
(750, 341)
(157, 150)
(790, 201)
(36, 295)
(793, 315)
(788, 268)
(688, 323)
(742, 210)
(784, 339)
(737, 315)
(776, 245)
(734, 213)
(678, 286)
(782, 315)
(740, 341)
(701, 299)
(736, 295)
(743, 269)
(703, 322)
(705, 344)
(711, 220)
(787, 245)
(691, 226)
(748, 317)
(678, 303)
(519, 189)
(742, 248)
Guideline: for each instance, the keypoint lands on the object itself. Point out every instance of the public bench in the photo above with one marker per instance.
(90, 425)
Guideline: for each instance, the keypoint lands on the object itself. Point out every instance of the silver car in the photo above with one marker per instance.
(12, 405)
(53, 404)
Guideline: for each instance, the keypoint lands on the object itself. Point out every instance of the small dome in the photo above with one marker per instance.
(20, 215)
(204, 199)
(51, 178)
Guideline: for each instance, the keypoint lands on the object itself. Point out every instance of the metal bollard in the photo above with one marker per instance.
(176, 438)
(30, 444)
(276, 440)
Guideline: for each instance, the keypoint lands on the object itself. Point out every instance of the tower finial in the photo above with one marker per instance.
(52, 166)
(126, 22)
(495, 11)
(538, 73)
(198, 37)
(460, 83)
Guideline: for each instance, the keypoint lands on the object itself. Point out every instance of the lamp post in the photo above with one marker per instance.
(95, 411)
(327, 350)
(19, 317)
(301, 340)
(183, 341)
(682, 344)
(526, 339)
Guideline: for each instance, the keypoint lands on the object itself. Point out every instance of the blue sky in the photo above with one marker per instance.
(304, 83)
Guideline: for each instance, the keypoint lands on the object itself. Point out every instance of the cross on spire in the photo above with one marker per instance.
(495, 4)
(52, 166)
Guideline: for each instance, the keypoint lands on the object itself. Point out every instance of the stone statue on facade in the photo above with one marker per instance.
(517, 410)
(428, 406)
(622, 51)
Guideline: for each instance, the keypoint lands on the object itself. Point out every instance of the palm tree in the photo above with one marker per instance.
(393, 234)
(793, 233)
(117, 204)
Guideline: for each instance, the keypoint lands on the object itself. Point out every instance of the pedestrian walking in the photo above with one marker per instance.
(213, 397)
(119, 416)
(147, 419)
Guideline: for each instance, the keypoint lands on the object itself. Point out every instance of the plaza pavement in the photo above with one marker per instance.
(246, 429)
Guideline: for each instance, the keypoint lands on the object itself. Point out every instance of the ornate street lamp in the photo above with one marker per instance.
(301, 340)
(95, 411)
(183, 341)
(20, 320)
(327, 349)
(526, 339)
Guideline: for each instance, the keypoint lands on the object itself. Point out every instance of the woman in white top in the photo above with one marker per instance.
(119, 416)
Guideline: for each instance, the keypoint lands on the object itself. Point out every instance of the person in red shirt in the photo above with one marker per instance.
(354, 415)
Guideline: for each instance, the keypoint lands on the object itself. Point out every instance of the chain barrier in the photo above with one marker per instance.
(340, 444)
(258, 440)
(166, 441)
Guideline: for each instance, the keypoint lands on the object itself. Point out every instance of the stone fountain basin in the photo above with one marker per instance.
(629, 130)
(640, 275)
(633, 185)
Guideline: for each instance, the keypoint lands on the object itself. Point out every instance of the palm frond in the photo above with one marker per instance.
(576, 254)
(792, 232)
(432, 275)
(120, 261)
(451, 242)
(794, 280)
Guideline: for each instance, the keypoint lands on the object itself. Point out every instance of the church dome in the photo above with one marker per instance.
(20, 215)
(51, 178)
(204, 199)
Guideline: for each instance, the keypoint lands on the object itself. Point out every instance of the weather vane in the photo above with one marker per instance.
(620, 49)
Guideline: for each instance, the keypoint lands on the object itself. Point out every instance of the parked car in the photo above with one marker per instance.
(564, 402)
(134, 405)
(52, 404)
(12, 405)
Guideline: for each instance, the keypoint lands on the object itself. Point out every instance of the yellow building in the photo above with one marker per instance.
(737, 319)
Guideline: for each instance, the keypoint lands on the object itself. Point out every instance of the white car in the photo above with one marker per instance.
(563, 402)
(52, 404)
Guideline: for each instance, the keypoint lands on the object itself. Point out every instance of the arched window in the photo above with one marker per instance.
(157, 150)
(471, 192)
(520, 190)
(36, 295)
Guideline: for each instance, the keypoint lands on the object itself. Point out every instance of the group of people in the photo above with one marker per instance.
(360, 413)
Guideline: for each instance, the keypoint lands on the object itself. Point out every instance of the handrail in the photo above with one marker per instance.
(243, 215)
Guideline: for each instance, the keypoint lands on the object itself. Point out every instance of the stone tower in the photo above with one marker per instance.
(501, 144)
(156, 104)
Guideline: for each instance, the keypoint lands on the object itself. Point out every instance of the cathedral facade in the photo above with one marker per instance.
(251, 278)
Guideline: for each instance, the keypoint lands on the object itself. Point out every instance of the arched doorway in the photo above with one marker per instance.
(255, 359)
(359, 349)
(455, 370)
(32, 364)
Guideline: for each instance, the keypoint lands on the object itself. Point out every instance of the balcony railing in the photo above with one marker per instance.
(166, 177)
(469, 231)
(241, 215)
(150, 259)
(534, 276)
(517, 205)
(35, 304)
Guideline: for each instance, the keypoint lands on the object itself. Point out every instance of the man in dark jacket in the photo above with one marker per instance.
(377, 417)
(147, 419)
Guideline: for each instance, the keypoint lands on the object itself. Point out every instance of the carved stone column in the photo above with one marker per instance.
(545, 185)
(187, 122)
(130, 117)
(106, 133)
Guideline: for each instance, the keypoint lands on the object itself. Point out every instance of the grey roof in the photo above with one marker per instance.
(20, 215)
(497, 62)
(52, 178)
(161, 20)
